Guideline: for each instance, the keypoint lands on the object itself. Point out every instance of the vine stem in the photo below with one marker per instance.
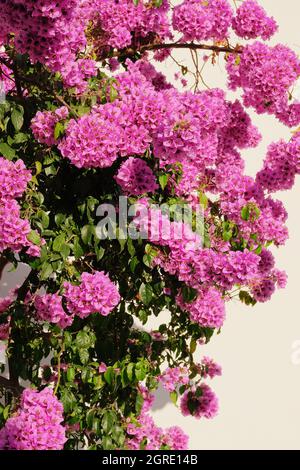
(178, 45)
(59, 369)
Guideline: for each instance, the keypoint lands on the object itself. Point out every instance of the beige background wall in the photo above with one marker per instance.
(260, 389)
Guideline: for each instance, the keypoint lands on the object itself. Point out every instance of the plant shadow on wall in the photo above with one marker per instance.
(162, 398)
(88, 119)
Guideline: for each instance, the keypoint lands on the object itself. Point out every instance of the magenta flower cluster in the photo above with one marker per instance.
(251, 21)
(281, 165)
(36, 425)
(208, 309)
(13, 179)
(201, 402)
(7, 82)
(43, 124)
(203, 20)
(136, 178)
(145, 433)
(49, 308)
(5, 303)
(120, 21)
(96, 139)
(51, 32)
(266, 75)
(95, 293)
(174, 377)
(14, 230)
(209, 368)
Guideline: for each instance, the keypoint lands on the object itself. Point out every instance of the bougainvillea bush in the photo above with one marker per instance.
(89, 126)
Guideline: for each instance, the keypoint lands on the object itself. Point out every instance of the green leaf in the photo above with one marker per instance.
(113, 94)
(193, 345)
(86, 376)
(139, 403)
(146, 293)
(84, 356)
(108, 421)
(98, 382)
(39, 167)
(118, 436)
(78, 250)
(192, 406)
(133, 263)
(189, 294)
(99, 251)
(143, 316)
(83, 340)
(92, 203)
(70, 374)
(140, 374)
(59, 219)
(147, 260)
(256, 212)
(59, 130)
(17, 118)
(259, 249)
(96, 426)
(59, 242)
(65, 251)
(107, 443)
(7, 151)
(203, 199)
(34, 237)
(6, 412)
(130, 371)
(109, 375)
(46, 271)
(51, 170)
(174, 397)
(122, 244)
(44, 217)
(130, 247)
(68, 400)
(86, 234)
(90, 416)
(67, 339)
(246, 298)
(20, 138)
(124, 377)
(163, 180)
(245, 213)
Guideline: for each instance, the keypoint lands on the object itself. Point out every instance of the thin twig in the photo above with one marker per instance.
(59, 368)
(176, 45)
